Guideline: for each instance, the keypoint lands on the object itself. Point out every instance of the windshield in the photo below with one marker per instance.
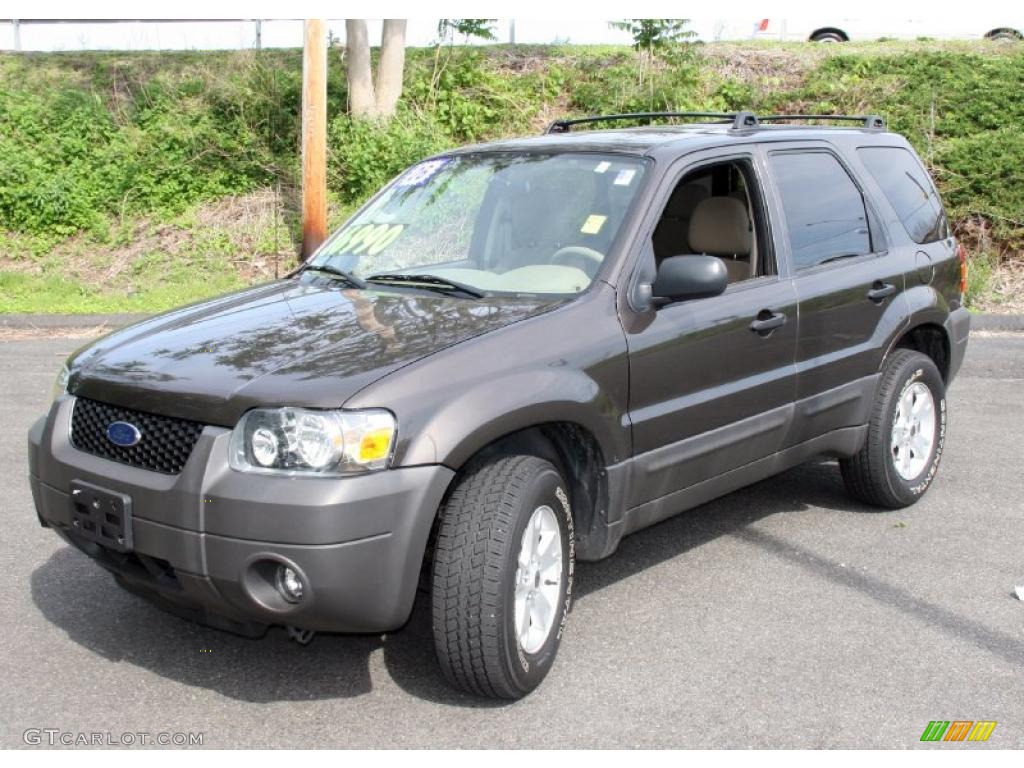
(508, 222)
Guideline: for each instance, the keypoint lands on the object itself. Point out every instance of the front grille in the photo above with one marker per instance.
(165, 445)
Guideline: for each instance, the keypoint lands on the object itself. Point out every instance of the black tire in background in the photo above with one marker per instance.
(475, 565)
(1004, 35)
(827, 37)
(872, 475)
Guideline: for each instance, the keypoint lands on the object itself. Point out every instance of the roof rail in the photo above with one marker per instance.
(737, 119)
(868, 121)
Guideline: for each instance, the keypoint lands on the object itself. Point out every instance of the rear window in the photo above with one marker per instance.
(825, 212)
(909, 190)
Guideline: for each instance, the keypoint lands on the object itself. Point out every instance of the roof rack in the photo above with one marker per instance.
(737, 119)
(868, 121)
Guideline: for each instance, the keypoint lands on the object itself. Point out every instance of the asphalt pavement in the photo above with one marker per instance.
(783, 615)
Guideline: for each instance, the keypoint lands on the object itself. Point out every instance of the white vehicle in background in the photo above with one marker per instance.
(840, 30)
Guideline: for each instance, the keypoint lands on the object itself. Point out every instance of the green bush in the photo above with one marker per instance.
(627, 82)
(963, 113)
(365, 155)
(72, 155)
(983, 174)
(923, 94)
(479, 94)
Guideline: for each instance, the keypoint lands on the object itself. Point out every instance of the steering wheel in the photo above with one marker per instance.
(580, 256)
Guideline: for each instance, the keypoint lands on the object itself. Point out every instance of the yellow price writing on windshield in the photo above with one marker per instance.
(370, 239)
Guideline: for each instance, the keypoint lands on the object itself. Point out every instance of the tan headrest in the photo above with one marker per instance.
(718, 227)
(684, 199)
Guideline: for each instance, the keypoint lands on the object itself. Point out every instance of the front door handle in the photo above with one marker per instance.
(767, 321)
(881, 291)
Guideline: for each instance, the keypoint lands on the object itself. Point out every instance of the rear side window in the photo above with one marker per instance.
(909, 190)
(824, 209)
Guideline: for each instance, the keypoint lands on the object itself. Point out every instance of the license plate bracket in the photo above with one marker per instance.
(101, 515)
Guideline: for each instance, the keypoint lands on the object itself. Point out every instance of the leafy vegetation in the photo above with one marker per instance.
(655, 34)
(98, 150)
(447, 29)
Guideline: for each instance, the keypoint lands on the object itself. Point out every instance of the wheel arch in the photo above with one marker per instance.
(579, 457)
(930, 339)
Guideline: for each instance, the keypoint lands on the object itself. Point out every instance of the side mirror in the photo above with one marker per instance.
(681, 278)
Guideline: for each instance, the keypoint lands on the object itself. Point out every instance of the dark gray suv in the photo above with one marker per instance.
(510, 358)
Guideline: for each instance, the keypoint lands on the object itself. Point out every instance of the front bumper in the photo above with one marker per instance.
(206, 540)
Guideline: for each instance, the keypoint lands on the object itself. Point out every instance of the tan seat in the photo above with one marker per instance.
(671, 235)
(720, 227)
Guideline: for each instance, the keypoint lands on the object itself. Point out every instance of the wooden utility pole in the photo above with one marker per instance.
(314, 136)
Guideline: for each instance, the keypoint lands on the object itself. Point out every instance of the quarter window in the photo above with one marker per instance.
(824, 209)
(909, 190)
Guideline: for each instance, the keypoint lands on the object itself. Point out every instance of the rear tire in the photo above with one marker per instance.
(906, 434)
(502, 576)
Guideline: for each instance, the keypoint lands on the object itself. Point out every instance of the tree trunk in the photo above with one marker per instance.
(391, 66)
(362, 101)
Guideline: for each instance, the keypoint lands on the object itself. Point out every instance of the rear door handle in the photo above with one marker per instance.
(767, 321)
(881, 291)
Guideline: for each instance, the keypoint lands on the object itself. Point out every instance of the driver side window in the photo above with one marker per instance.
(715, 211)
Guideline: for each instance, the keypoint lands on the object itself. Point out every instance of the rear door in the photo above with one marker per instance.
(845, 277)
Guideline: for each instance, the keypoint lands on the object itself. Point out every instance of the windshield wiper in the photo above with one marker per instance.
(348, 277)
(430, 283)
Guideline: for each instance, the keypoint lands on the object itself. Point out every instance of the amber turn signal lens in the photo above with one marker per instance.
(375, 445)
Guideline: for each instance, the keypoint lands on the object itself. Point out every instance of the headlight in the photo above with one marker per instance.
(60, 385)
(300, 440)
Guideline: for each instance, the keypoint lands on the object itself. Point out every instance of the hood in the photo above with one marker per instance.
(304, 342)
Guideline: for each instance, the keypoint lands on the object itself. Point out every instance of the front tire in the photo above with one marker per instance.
(502, 576)
(906, 434)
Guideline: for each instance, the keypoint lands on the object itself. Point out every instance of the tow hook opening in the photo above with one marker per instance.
(301, 636)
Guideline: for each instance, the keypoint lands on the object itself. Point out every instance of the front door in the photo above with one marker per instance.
(712, 380)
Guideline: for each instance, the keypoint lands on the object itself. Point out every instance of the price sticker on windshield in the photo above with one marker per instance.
(625, 177)
(593, 224)
(420, 174)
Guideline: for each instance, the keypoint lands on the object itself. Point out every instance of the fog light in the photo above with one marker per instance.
(289, 584)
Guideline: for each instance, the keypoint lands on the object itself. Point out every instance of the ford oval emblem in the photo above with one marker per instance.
(123, 434)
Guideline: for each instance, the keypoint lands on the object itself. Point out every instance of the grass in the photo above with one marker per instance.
(52, 293)
(142, 264)
(979, 279)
